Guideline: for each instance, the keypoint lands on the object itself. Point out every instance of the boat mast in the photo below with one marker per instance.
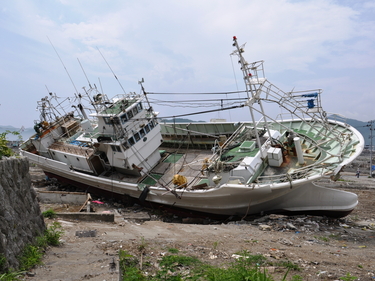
(252, 94)
(144, 93)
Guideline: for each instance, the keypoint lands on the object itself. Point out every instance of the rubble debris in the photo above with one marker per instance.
(265, 227)
(86, 233)
(112, 265)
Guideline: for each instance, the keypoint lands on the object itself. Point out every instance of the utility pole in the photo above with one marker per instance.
(371, 128)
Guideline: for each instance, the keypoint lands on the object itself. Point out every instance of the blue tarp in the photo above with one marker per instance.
(75, 142)
(312, 95)
(310, 104)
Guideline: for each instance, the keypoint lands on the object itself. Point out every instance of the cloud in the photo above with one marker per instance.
(185, 45)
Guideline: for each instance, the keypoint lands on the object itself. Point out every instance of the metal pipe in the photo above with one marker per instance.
(297, 144)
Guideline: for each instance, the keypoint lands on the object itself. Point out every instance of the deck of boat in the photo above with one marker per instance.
(187, 163)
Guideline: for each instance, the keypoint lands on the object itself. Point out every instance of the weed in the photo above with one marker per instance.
(237, 272)
(4, 149)
(2, 263)
(129, 267)
(142, 246)
(53, 234)
(11, 276)
(50, 213)
(30, 257)
(176, 267)
(322, 238)
(289, 265)
(215, 244)
(297, 278)
(247, 258)
(334, 236)
(32, 254)
(174, 260)
(173, 250)
(348, 277)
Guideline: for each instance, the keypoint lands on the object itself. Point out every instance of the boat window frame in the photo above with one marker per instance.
(135, 111)
(142, 133)
(124, 118)
(147, 128)
(131, 141)
(137, 137)
(107, 120)
(116, 148)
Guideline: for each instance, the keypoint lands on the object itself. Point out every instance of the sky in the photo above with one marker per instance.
(184, 47)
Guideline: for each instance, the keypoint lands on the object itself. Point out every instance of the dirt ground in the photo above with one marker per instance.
(323, 248)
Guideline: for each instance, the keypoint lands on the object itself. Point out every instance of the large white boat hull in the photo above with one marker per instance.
(304, 196)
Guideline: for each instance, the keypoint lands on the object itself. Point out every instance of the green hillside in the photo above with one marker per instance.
(362, 127)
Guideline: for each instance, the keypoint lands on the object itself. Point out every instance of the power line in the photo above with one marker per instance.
(217, 93)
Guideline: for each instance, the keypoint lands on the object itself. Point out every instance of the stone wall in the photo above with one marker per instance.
(20, 216)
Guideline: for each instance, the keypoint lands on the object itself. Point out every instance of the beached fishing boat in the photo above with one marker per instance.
(270, 165)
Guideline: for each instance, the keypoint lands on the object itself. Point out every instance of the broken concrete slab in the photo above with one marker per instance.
(62, 197)
(137, 216)
(106, 217)
(86, 233)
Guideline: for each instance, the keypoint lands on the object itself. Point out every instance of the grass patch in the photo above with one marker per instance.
(322, 238)
(288, 264)
(32, 254)
(2, 263)
(129, 267)
(173, 250)
(11, 276)
(50, 214)
(335, 236)
(53, 234)
(348, 277)
(174, 267)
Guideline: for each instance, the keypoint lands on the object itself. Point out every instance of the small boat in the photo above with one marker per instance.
(120, 147)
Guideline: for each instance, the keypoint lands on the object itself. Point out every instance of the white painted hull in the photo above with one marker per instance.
(229, 199)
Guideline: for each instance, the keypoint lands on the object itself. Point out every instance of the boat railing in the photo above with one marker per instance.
(337, 117)
(237, 179)
(301, 173)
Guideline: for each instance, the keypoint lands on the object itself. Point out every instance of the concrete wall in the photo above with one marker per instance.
(20, 216)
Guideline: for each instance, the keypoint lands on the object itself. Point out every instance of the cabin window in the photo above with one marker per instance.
(147, 128)
(152, 124)
(137, 137)
(107, 120)
(131, 141)
(125, 145)
(139, 106)
(124, 118)
(135, 111)
(130, 114)
(142, 133)
(116, 148)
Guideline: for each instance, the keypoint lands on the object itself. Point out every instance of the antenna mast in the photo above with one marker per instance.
(84, 72)
(111, 70)
(63, 65)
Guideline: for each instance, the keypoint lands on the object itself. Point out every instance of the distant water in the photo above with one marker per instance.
(25, 133)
